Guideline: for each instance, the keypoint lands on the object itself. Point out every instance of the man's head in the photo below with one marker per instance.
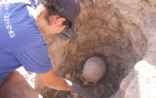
(56, 16)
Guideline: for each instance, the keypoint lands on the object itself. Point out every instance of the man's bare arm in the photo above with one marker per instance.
(52, 80)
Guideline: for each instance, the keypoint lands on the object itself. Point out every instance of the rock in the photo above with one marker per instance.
(141, 82)
(68, 76)
(75, 95)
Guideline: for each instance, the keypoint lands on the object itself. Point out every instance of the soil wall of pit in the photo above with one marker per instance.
(116, 31)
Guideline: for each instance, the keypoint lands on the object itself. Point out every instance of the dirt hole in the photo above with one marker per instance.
(101, 33)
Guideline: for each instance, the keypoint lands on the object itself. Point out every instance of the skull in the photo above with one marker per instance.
(93, 70)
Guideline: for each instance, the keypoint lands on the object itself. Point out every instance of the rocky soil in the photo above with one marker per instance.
(122, 33)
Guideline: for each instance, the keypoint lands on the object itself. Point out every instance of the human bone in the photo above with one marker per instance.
(93, 70)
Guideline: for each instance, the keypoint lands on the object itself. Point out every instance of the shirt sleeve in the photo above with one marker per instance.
(35, 59)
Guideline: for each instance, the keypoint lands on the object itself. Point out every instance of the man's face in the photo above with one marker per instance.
(53, 26)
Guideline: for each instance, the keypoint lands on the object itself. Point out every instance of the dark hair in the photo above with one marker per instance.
(50, 6)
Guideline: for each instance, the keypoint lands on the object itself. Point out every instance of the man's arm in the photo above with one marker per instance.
(52, 80)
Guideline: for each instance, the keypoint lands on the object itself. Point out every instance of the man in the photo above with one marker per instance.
(21, 43)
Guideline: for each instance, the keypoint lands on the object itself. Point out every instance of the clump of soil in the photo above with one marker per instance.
(103, 32)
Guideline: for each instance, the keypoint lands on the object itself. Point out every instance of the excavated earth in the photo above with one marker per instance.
(117, 31)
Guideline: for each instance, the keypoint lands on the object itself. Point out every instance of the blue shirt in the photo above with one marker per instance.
(21, 42)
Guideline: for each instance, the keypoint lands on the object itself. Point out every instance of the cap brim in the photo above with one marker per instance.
(70, 33)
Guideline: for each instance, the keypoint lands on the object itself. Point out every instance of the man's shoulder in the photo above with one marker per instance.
(24, 1)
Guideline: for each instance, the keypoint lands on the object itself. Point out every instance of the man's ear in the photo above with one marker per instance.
(60, 20)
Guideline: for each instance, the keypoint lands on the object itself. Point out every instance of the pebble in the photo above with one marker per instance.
(68, 76)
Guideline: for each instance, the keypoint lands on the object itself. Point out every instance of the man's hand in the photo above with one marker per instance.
(52, 80)
(76, 90)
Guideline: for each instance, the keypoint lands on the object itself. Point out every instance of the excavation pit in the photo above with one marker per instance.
(105, 32)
